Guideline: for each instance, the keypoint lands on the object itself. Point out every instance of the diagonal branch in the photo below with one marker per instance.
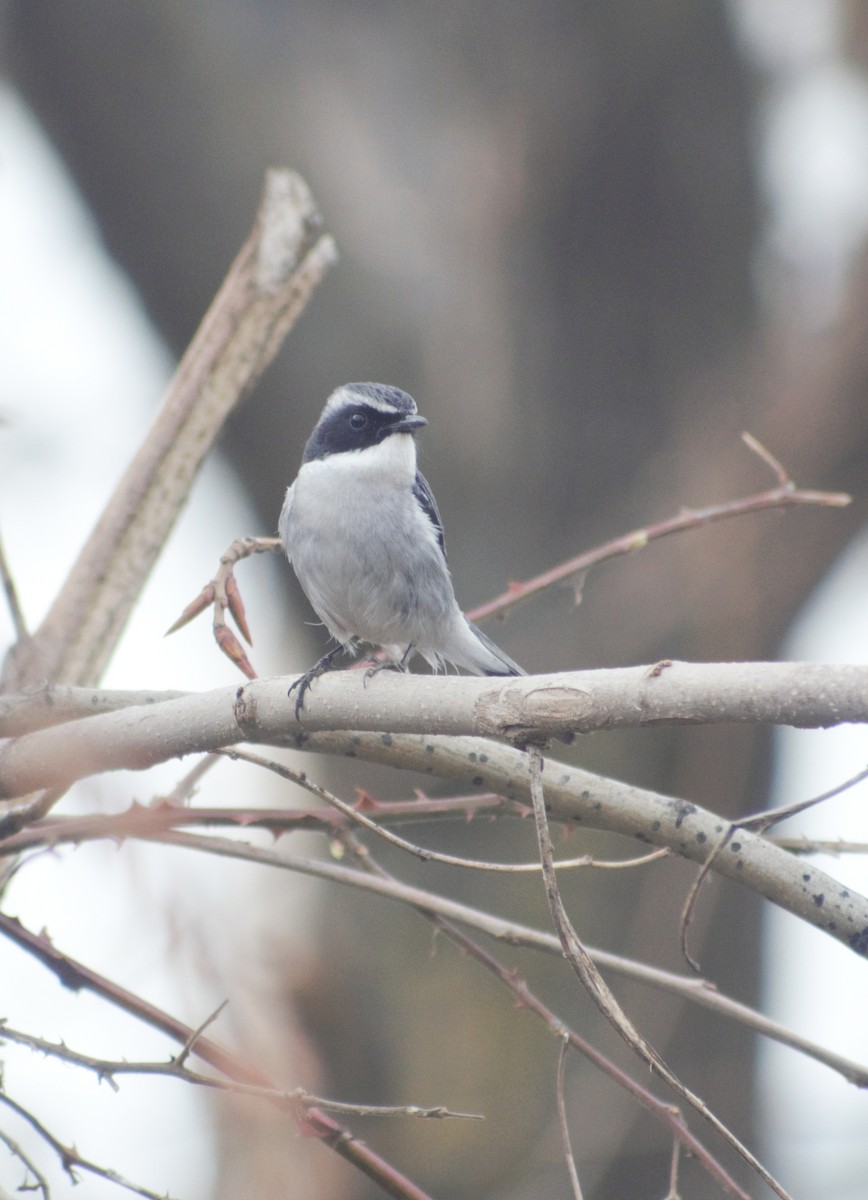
(266, 289)
(597, 988)
(526, 999)
(313, 1123)
(156, 825)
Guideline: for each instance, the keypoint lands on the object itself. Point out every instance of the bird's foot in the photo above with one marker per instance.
(302, 684)
(391, 664)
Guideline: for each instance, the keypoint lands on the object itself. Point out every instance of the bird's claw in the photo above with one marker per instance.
(304, 681)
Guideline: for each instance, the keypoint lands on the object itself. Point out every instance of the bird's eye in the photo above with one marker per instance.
(358, 420)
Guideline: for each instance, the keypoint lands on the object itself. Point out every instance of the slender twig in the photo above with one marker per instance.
(354, 815)
(511, 932)
(599, 991)
(190, 1044)
(188, 784)
(176, 1068)
(71, 1160)
(528, 1001)
(564, 1122)
(673, 1193)
(688, 908)
(762, 821)
(808, 845)
(40, 1183)
(784, 495)
(16, 612)
(313, 1122)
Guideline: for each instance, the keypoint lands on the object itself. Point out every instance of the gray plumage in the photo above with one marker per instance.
(362, 531)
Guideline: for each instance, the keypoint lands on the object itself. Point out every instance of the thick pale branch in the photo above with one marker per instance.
(139, 737)
(808, 695)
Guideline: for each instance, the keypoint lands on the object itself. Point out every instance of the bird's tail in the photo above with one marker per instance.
(489, 658)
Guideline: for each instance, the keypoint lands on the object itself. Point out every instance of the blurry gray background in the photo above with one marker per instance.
(557, 232)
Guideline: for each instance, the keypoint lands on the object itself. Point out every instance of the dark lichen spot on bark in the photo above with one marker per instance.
(683, 811)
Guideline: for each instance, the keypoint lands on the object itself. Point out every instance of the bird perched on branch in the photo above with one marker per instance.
(362, 531)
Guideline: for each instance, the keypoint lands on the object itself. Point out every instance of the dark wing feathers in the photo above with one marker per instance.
(425, 500)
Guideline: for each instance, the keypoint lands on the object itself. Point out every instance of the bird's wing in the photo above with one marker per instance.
(425, 500)
(283, 523)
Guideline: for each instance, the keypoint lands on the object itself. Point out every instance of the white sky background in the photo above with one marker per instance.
(812, 147)
(82, 374)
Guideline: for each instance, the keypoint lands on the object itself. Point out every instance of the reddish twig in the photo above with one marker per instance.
(785, 495)
(159, 825)
(313, 1123)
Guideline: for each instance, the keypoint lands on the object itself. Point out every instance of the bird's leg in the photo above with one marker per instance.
(391, 665)
(304, 681)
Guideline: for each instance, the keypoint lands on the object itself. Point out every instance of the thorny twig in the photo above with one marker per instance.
(71, 1160)
(785, 495)
(176, 1068)
(222, 590)
(161, 824)
(40, 1183)
(314, 1122)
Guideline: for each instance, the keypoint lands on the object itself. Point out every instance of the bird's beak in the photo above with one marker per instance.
(408, 424)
